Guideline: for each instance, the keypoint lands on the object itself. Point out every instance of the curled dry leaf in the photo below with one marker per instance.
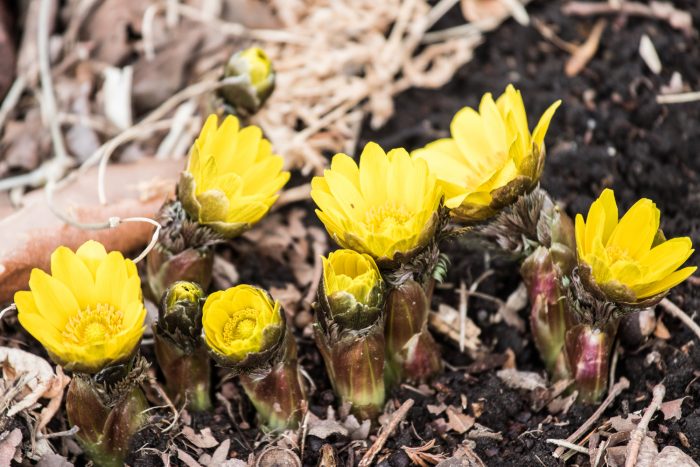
(37, 379)
(30, 234)
(458, 421)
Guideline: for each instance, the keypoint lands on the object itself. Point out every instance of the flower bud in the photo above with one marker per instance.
(180, 314)
(256, 81)
(180, 351)
(246, 331)
(349, 329)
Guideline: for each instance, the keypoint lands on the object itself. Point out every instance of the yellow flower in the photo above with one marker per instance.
(630, 260)
(491, 158)
(349, 272)
(89, 312)
(240, 321)
(232, 178)
(386, 207)
(258, 64)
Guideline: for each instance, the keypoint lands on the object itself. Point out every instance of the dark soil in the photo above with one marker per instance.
(610, 132)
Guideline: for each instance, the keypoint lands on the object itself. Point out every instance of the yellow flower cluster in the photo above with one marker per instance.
(630, 260)
(237, 321)
(232, 178)
(88, 312)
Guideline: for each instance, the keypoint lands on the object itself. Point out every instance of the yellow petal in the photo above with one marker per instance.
(92, 253)
(111, 279)
(666, 283)
(374, 166)
(636, 230)
(543, 125)
(67, 267)
(53, 299)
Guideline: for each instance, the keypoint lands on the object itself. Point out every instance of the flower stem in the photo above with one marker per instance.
(187, 375)
(278, 395)
(411, 351)
(587, 351)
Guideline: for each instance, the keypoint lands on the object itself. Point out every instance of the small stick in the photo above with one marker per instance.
(614, 392)
(640, 432)
(396, 418)
(675, 311)
(59, 434)
(680, 98)
(566, 444)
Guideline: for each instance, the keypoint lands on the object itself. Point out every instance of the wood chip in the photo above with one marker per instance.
(585, 52)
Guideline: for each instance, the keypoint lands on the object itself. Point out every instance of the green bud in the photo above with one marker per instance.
(256, 81)
(180, 351)
(588, 351)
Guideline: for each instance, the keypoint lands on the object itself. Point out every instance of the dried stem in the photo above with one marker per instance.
(675, 311)
(614, 392)
(640, 432)
(396, 418)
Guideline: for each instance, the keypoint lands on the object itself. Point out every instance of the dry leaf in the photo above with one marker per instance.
(672, 456)
(648, 53)
(187, 459)
(221, 453)
(625, 424)
(527, 380)
(585, 52)
(30, 234)
(436, 409)
(672, 410)
(203, 439)
(661, 331)
(459, 421)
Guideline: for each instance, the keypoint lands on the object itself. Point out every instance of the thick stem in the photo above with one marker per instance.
(411, 351)
(355, 366)
(187, 375)
(278, 395)
(105, 431)
(550, 317)
(192, 264)
(588, 354)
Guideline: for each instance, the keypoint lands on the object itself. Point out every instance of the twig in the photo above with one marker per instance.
(48, 99)
(675, 311)
(396, 418)
(12, 98)
(463, 302)
(640, 432)
(59, 434)
(566, 444)
(614, 392)
(678, 19)
(584, 53)
(168, 402)
(7, 309)
(680, 98)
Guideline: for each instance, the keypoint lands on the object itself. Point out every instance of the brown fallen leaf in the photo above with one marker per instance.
(30, 234)
(458, 421)
(585, 52)
(672, 456)
(672, 410)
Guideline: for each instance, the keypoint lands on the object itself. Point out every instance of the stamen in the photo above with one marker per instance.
(94, 324)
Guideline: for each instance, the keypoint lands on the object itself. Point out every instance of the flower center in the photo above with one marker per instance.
(387, 216)
(615, 254)
(240, 327)
(94, 324)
